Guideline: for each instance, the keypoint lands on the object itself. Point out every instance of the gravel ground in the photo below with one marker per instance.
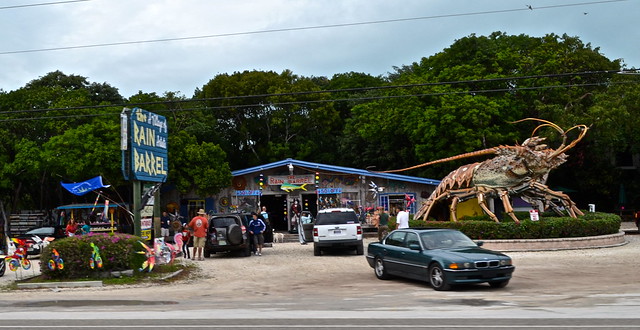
(291, 270)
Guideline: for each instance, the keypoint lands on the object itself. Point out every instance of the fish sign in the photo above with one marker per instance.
(291, 187)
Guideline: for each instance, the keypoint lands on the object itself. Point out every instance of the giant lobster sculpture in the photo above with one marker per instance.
(520, 170)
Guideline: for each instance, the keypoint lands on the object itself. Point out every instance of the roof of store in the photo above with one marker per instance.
(316, 167)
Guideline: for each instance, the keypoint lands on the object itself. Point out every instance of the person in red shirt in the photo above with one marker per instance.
(71, 228)
(199, 224)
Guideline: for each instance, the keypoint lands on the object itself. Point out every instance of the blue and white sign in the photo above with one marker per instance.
(149, 135)
(248, 193)
(329, 191)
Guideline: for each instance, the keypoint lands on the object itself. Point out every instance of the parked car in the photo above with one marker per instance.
(337, 228)
(227, 233)
(35, 237)
(443, 257)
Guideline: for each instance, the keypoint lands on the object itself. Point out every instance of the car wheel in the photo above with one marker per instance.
(205, 253)
(360, 249)
(499, 284)
(317, 251)
(234, 234)
(379, 269)
(436, 278)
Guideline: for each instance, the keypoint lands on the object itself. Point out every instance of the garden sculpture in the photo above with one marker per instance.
(95, 259)
(19, 256)
(519, 170)
(151, 258)
(55, 262)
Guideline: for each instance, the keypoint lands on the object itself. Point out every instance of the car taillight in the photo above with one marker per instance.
(244, 229)
(359, 230)
(315, 231)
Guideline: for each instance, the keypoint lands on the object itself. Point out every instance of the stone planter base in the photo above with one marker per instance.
(551, 244)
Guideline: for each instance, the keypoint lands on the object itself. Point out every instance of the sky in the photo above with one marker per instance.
(107, 41)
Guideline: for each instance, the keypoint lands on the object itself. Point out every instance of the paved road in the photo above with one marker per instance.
(593, 288)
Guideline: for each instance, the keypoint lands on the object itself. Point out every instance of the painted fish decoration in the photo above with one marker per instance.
(291, 187)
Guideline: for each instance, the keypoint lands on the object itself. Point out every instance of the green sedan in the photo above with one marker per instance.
(443, 257)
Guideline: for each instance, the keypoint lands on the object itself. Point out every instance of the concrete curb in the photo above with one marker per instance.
(60, 285)
(554, 244)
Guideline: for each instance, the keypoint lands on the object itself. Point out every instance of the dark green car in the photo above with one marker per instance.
(443, 257)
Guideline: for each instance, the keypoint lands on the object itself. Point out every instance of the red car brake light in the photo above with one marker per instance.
(244, 229)
(315, 232)
(359, 230)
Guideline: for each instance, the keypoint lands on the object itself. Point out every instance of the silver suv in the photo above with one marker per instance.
(337, 228)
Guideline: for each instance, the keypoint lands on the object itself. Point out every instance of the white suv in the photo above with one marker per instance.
(337, 228)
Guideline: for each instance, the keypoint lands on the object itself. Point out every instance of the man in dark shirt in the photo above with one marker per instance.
(383, 223)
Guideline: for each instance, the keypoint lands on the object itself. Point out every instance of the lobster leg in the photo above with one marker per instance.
(483, 203)
(564, 198)
(506, 203)
(459, 196)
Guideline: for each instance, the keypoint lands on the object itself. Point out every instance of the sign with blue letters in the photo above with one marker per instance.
(149, 135)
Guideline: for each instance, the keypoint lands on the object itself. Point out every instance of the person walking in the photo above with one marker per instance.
(257, 228)
(383, 223)
(200, 225)
(402, 219)
(186, 237)
(165, 224)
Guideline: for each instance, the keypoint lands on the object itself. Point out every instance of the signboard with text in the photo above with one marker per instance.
(277, 180)
(148, 136)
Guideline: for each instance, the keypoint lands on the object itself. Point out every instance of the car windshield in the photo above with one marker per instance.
(336, 218)
(443, 239)
(223, 222)
(40, 231)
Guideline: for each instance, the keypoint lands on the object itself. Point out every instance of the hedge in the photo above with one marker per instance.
(590, 224)
(118, 252)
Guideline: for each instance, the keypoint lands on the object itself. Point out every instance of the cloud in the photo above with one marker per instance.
(184, 65)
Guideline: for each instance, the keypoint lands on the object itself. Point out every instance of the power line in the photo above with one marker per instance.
(233, 34)
(369, 98)
(42, 4)
(359, 89)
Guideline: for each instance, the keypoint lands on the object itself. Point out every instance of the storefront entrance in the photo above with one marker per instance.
(276, 206)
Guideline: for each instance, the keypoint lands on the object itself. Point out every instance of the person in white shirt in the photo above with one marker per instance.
(402, 219)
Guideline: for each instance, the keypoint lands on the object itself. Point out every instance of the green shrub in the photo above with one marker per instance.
(549, 226)
(118, 252)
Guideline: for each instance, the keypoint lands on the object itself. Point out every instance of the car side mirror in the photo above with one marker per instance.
(479, 243)
(415, 246)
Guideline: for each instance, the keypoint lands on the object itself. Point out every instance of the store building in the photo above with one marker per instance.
(290, 183)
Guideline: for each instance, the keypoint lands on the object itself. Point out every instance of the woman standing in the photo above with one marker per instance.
(71, 228)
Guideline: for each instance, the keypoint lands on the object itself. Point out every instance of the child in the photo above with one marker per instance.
(186, 237)
(177, 238)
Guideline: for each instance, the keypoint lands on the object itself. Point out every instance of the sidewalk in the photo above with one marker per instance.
(628, 226)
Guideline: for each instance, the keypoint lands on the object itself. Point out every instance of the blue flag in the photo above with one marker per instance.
(81, 188)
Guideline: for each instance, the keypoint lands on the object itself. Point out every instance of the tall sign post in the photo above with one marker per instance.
(144, 137)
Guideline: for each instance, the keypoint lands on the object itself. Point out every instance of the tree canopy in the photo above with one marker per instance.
(467, 97)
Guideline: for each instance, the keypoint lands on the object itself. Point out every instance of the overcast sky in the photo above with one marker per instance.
(310, 38)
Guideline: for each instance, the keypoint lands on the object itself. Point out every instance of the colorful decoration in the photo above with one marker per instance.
(520, 170)
(19, 257)
(239, 182)
(56, 261)
(95, 259)
(375, 189)
(161, 253)
(410, 200)
(151, 258)
(291, 187)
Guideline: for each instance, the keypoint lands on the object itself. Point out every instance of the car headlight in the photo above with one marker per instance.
(505, 262)
(460, 265)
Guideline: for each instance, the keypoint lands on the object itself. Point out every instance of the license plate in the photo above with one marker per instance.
(337, 232)
(222, 242)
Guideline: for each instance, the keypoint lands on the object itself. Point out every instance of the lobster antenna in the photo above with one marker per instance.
(584, 129)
